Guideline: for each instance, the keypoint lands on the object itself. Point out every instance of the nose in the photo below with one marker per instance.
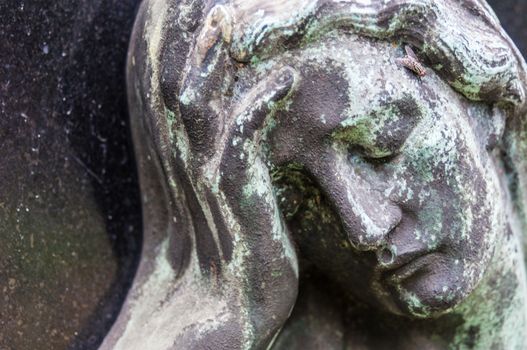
(368, 216)
(368, 219)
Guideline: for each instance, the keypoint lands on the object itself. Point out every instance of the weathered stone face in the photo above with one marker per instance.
(405, 166)
(279, 153)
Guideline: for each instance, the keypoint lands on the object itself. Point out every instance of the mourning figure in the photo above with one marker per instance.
(309, 182)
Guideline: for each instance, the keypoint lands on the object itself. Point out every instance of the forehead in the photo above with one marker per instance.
(364, 75)
(368, 67)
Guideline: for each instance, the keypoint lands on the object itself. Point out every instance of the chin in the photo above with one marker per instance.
(429, 292)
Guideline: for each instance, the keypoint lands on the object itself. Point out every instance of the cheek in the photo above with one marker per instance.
(451, 187)
(455, 198)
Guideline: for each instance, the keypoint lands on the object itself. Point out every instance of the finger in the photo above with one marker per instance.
(217, 27)
(260, 230)
(207, 69)
(205, 56)
(259, 103)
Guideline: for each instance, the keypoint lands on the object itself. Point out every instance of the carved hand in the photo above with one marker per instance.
(252, 264)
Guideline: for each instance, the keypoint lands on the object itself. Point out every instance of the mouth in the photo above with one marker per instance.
(400, 270)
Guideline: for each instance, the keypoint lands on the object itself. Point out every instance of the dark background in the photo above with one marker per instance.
(70, 216)
(70, 221)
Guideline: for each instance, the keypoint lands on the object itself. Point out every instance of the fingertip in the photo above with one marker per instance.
(287, 76)
(285, 81)
(220, 17)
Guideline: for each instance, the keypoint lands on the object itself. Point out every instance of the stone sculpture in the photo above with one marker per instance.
(303, 189)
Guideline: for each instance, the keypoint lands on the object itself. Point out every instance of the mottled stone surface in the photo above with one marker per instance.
(69, 200)
(307, 179)
(69, 212)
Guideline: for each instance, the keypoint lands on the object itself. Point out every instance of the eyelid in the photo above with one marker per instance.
(379, 153)
(364, 143)
(361, 154)
(383, 131)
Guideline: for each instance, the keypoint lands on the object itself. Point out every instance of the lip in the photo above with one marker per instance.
(388, 260)
(400, 272)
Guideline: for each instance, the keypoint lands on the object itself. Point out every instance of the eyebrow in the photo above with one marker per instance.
(396, 119)
(405, 106)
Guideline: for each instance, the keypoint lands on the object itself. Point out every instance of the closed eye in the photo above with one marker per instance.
(374, 158)
(381, 133)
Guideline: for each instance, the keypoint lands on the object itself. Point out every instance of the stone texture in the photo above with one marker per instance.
(294, 157)
(69, 203)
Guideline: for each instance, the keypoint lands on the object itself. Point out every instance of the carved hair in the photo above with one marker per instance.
(462, 40)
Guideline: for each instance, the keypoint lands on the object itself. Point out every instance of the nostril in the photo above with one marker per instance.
(385, 256)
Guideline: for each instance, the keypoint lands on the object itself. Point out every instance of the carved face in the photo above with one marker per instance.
(387, 182)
